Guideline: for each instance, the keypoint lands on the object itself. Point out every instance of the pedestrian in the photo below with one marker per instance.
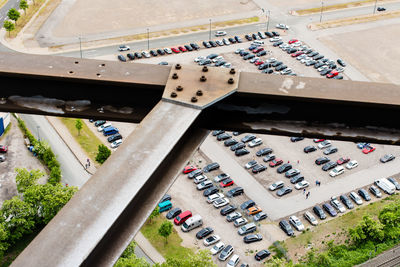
(304, 191)
(298, 161)
(308, 194)
(316, 182)
(88, 162)
(86, 166)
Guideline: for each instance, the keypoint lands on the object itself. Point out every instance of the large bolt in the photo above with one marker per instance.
(231, 81)
(203, 78)
(232, 71)
(175, 76)
(194, 99)
(179, 88)
(178, 66)
(173, 94)
(199, 93)
(205, 69)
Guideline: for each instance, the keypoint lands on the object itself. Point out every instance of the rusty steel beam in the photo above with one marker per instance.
(132, 176)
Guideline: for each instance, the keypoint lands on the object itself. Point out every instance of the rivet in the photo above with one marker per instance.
(194, 99)
(203, 78)
(232, 71)
(199, 93)
(173, 94)
(205, 69)
(178, 66)
(175, 76)
(179, 88)
(231, 81)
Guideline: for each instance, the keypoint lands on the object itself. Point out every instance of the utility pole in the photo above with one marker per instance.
(80, 45)
(148, 39)
(269, 14)
(375, 7)
(38, 127)
(320, 16)
(209, 35)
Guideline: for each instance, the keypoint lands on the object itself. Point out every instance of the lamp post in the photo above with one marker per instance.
(375, 6)
(38, 127)
(320, 16)
(209, 35)
(269, 14)
(80, 46)
(148, 39)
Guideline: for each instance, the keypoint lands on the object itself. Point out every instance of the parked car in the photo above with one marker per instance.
(181, 218)
(237, 191)
(250, 164)
(296, 223)
(238, 146)
(226, 252)
(352, 164)
(255, 142)
(173, 213)
(230, 142)
(241, 152)
(356, 198)
(285, 167)
(252, 238)
(295, 138)
(297, 179)
(116, 143)
(213, 197)
(387, 158)
(211, 240)
(121, 58)
(223, 136)
(368, 149)
(262, 254)
(220, 177)
(239, 222)
(233, 216)
(253, 210)
(292, 172)
(310, 218)
(276, 185)
(330, 150)
(375, 191)
(114, 137)
(269, 157)
(211, 167)
(226, 183)
(336, 171)
(259, 168)
(329, 209)
(228, 209)
(309, 149)
(364, 194)
(259, 216)
(217, 248)
(394, 182)
(204, 232)
(319, 212)
(337, 205)
(302, 184)
(263, 151)
(275, 162)
(285, 226)
(204, 185)
(342, 160)
(329, 165)
(193, 173)
(282, 26)
(283, 191)
(324, 144)
(233, 261)
(321, 160)
(220, 202)
(220, 33)
(124, 48)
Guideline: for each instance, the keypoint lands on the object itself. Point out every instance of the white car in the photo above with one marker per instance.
(211, 198)
(219, 178)
(296, 44)
(356, 198)
(254, 59)
(286, 71)
(311, 218)
(123, 48)
(220, 202)
(168, 50)
(233, 261)
(255, 142)
(282, 26)
(337, 205)
(250, 164)
(271, 60)
(220, 33)
(211, 240)
(301, 56)
(296, 223)
(199, 58)
(336, 171)
(239, 222)
(276, 185)
(301, 185)
(238, 50)
(352, 164)
(324, 144)
(102, 127)
(217, 248)
(233, 216)
(199, 179)
(322, 68)
(219, 58)
(275, 39)
(116, 143)
(204, 185)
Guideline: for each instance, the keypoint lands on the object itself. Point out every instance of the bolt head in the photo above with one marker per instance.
(194, 99)
(178, 66)
(173, 94)
(199, 93)
(231, 81)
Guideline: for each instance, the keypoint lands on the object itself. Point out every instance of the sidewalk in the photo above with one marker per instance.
(81, 156)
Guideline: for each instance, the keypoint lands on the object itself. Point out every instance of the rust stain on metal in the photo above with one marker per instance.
(201, 89)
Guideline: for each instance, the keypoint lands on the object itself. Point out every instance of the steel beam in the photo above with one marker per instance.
(79, 233)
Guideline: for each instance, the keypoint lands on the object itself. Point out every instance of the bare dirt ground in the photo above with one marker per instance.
(18, 156)
(365, 50)
(97, 16)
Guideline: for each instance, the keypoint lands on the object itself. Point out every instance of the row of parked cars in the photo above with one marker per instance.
(220, 200)
(213, 60)
(340, 204)
(310, 57)
(112, 133)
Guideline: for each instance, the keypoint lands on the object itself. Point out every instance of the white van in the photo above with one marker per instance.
(258, 42)
(102, 127)
(191, 223)
(386, 186)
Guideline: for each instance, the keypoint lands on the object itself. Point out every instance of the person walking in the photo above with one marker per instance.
(304, 191)
(308, 194)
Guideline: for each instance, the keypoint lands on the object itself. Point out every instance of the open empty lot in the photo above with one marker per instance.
(99, 16)
(370, 51)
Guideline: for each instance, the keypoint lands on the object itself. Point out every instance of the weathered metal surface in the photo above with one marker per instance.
(199, 87)
(88, 219)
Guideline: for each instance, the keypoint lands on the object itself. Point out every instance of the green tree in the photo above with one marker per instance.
(18, 218)
(201, 258)
(9, 26)
(23, 5)
(154, 214)
(25, 178)
(78, 125)
(3, 240)
(47, 200)
(277, 262)
(129, 259)
(165, 230)
(14, 15)
(389, 216)
(102, 154)
(367, 230)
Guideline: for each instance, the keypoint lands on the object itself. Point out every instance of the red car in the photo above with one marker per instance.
(258, 50)
(318, 140)
(182, 48)
(181, 218)
(342, 160)
(332, 74)
(3, 149)
(188, 169)
(293, 41)
(275, 162)
(175, 50)
(297, 54)
(258, 62)
(368, 149)
(226, 183)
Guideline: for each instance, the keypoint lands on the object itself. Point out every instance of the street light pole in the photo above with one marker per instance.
(269, 14)
(80, 46)
(148, 39)
(209, 35)
(320, 17)
(38, 127)
(375, 6)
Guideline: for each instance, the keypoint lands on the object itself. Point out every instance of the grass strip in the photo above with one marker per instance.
(308, 11)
